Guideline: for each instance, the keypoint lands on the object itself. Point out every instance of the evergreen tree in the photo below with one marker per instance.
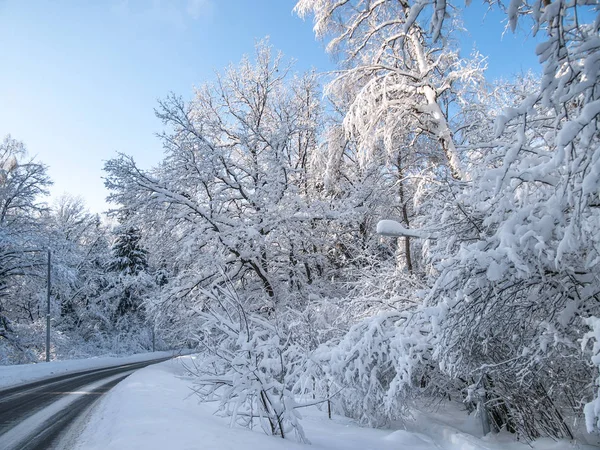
(129, 261)
(129, 256)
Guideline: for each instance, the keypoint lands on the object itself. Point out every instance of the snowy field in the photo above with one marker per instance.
(153, 409)
(26, 373)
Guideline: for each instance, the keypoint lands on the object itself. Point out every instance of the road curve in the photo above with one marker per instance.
(35, 415)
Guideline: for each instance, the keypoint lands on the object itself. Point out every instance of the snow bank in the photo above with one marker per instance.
(154, 409)
(452, 429)
(25, 373)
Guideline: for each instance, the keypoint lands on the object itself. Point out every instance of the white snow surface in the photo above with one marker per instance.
(154, 409)
(26, 373)
(395, 229)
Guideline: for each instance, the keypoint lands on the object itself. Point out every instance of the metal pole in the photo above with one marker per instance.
(153, 339)
(48, 311)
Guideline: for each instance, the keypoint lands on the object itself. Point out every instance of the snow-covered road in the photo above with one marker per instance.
(36, 415)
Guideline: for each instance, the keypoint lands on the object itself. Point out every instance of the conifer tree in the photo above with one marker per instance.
(129, 261)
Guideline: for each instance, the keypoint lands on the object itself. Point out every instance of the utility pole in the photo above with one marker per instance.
(48, 285)
(153, 339)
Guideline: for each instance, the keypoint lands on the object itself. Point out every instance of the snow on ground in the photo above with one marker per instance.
(35, 423)
(26, 373)
(153, 409)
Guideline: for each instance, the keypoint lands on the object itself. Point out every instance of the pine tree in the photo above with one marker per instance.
(129, 261)
(129, 257)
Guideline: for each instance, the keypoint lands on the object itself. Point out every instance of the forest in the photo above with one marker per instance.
(401, 232)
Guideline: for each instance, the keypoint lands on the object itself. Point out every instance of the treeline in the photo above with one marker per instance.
(99, 272)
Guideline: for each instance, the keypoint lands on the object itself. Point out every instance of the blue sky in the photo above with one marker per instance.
(80, 78)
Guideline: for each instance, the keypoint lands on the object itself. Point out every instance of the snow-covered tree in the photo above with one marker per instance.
(235, 191)
(510, 244)
(518, 297)
(401, 79)
(23, 183)
(130, 258)
(130, 264)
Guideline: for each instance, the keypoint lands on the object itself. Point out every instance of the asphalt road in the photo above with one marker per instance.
(34, 416)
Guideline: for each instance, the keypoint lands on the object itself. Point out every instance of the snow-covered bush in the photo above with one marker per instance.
(372, 371)
(249, 364)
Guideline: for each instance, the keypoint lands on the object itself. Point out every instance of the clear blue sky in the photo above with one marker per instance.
(79, 79)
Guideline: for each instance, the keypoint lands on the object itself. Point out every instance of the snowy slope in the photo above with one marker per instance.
(153, 409)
